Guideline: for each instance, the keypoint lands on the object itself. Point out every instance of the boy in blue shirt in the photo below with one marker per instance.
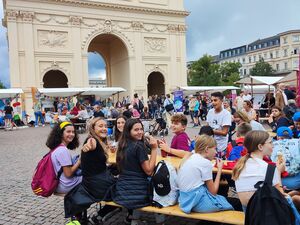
(296, 130)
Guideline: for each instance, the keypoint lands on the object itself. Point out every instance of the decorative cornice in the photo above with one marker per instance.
(121, 7)
(27, 16)
(11, 15)
(75, 20)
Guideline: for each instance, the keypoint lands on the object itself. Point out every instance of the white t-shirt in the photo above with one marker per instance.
(247, 97)
(217, 121)
(256, 125)
(253, 172)
(194, 172)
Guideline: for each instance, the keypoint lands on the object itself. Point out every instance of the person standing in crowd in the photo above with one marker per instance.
(192, 103)
(296, 120)
(61, 139)
(168, 101)
(196, 112)
(220, 120)
(289, 94)
(227, 106)
(248, 109)
(277, 119)
(290, 109)
(186, 105)
(247, 96)
(37, 108)
(8, 115)
(137, 103)
(238, 102)
(280, 97)
(203, 108)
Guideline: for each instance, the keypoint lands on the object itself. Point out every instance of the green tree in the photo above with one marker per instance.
(204, 72)
(262, 68)
(230, 72)
(2, 85)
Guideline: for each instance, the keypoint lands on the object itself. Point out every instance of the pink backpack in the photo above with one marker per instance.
(45, 181)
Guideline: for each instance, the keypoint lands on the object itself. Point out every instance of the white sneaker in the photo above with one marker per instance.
(36, 126)
(43, 125)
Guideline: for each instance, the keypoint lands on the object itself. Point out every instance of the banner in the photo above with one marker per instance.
(178, 101)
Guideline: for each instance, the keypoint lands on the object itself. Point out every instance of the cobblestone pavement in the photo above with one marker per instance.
(20, 151)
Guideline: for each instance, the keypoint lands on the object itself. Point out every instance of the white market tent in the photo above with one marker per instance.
(60, 92)
(259, 80)
(103, 92)
(66, 92)
(193, 89)
(10, 93)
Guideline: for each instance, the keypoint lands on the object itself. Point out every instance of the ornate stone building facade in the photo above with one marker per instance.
(142, 42)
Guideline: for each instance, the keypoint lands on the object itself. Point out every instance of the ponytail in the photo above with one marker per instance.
(240, 166)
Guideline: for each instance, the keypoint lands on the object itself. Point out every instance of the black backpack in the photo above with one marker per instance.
(268, 206)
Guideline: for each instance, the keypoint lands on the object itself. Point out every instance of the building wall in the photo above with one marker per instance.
(47, 34)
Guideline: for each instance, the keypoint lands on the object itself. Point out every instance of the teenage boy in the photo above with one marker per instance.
(238, 144)
(220, 120)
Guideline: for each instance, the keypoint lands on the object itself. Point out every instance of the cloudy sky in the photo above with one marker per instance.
(213, 25)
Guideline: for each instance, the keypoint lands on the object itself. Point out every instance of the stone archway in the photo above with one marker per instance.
(115, 54)
(55, 79)
(156, 84)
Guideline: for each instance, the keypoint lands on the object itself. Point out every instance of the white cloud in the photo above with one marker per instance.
(99, 73)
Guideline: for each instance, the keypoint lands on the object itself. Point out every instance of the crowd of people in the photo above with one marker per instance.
(229, 130)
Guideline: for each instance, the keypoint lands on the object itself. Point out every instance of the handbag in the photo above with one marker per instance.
(169, 107)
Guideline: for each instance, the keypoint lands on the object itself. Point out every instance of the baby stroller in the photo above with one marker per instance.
(158, 127)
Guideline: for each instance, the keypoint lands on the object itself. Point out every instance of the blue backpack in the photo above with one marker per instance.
(236, 152)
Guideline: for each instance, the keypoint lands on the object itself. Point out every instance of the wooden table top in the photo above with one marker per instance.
(175, 161)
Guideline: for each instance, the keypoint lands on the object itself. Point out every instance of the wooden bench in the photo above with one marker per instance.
(228, 217)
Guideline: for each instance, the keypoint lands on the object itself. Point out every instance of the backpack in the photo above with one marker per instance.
(236, 151)
(268, 205)
(45, 181)
(165, 188)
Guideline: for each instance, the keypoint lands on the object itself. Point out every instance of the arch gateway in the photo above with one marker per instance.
(140, 41)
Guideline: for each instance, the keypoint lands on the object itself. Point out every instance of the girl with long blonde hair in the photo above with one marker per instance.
(251, 168)
(198, 191)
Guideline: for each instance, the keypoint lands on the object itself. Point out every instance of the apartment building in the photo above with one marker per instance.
(281, 51)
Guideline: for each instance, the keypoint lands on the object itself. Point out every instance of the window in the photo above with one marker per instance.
(277, 42)
(229, 54)
(271, 55)
(271, 43)
(259, 46)
(265, 55)
(238, 51)
(249, 59)
(259, 57)
(225, 54)
(254, 47)
(285, 65)
(245, 71)
(285, 52)
(296, 51)
(296, 38)
(249, 48)
(277, 54)
(277, 67)
(284, 40)
(244, 60)
(254, 58)
(265, 44)
(296, 64)
(239, 60)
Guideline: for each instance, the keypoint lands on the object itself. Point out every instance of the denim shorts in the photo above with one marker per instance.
(8, 116)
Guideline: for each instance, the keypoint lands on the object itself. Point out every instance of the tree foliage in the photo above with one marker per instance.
(204, 72)
(262, 68)
(2, 85)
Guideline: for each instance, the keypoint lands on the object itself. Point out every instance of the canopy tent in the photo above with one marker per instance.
(290, 79)
(66, 92)
(103, 92)
(259, 80)
(60, 92)
(192, 89)
(10, 93)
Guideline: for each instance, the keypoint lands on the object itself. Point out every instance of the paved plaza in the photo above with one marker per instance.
(20, 151)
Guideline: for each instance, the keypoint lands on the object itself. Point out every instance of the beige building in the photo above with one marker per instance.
(281, 51)
(142, 42)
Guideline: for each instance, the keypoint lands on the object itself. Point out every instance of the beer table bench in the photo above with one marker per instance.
(228, 217)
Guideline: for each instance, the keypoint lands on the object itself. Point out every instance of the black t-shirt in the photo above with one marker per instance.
(93, 162)
(99, 114)
(127, 114)
(135, 155)
(8, 110)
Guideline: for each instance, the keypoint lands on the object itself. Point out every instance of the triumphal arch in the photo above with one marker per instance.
(143, 43)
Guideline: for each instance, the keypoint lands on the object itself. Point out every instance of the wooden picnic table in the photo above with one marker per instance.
(175, 161)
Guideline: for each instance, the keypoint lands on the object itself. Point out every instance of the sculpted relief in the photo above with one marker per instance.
(155, 45)
(52, 39)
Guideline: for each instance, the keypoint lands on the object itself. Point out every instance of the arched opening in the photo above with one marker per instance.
(97, 70)
(55, 79)
(115, 60)
(156, 84)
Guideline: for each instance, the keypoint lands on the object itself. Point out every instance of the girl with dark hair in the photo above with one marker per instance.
(278, 119)
(119, 126)
(62, 138)
(248, 109)
(96, 178)
(132, 187)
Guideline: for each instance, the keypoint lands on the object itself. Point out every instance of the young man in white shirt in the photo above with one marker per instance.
(220, 120)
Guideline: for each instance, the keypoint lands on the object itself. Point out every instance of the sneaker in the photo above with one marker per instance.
(97, 219)
(36, 126)
(43, 125)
